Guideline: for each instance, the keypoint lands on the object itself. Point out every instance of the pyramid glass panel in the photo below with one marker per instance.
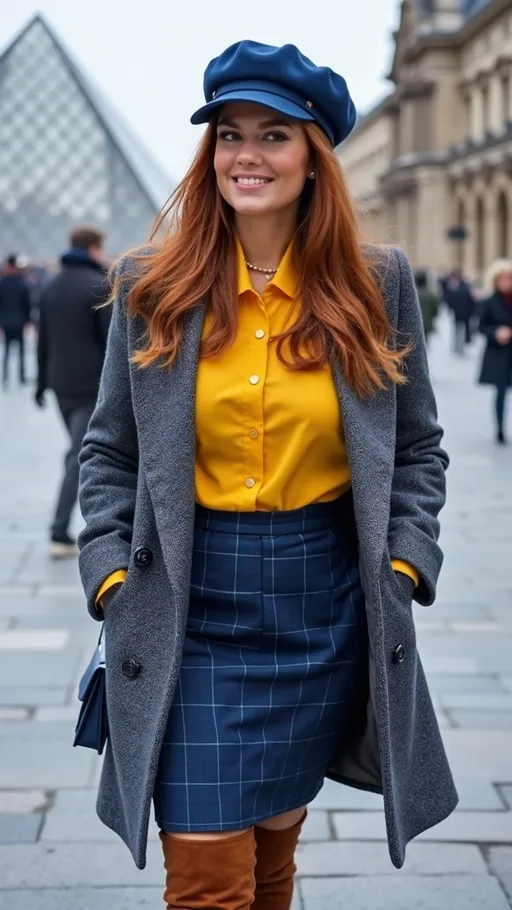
(65, 156)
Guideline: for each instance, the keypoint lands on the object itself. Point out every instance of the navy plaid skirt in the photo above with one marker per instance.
(276, 638)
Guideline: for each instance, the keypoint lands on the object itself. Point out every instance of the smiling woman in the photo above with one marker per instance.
(261, 483)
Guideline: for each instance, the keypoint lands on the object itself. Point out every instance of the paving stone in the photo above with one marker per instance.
(30, 696)
(359, 858)
(462, 827)
(66, 826)
(22, 801)
(506, 790)
(10, 714)
(458, 892)
(474, 755)
(19, 829)
(481, 720)
(477, 795)
(54, 763)
(507, 682)
(477, 702)
(500, 862)
(444, 665)
(45, 668)
(72, 865)
(60, 715)
(336, 796)
(316, 827)
(20, 603)
(34, 640)
(469, 685)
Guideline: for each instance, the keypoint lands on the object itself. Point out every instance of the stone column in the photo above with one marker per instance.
(495, 103)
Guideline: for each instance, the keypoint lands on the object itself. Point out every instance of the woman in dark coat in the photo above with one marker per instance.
(496, 325)
(261, 483)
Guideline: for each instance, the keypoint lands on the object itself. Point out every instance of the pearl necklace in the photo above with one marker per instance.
(256, 268)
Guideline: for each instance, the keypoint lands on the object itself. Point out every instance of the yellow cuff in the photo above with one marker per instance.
(406, 569)
(114, 579)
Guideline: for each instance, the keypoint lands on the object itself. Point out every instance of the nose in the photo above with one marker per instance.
(248, 155)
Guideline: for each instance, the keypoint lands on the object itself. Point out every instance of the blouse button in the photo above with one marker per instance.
(259, 333)
(254, 379)
(250, 483)
(253, 434)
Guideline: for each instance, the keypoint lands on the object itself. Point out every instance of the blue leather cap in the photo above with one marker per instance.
(280, 78)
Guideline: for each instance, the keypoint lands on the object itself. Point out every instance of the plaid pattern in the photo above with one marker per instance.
(275, 631)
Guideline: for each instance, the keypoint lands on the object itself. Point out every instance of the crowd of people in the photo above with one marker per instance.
(72, 326)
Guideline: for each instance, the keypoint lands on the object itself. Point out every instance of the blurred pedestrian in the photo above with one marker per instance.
(496, 325)
(459, 299)
(429, 302)
(73, 328)
(237, 551)
(14, 314)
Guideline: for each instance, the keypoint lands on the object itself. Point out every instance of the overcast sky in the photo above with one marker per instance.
(150, 56)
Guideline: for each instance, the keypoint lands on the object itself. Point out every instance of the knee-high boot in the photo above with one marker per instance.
(275, 866)
(213, 874)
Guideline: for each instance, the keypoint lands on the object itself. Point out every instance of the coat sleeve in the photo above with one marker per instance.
(42, 350)
(418, 489)
(109, 469)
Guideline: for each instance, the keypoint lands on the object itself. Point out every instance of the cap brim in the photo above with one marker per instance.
(266, 99)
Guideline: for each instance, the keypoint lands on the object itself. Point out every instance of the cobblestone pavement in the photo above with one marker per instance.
(55, 854)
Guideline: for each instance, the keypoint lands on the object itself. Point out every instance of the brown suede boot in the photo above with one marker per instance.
(275, 867)
(216, 874)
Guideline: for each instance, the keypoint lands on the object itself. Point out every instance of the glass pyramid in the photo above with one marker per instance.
(66, 157)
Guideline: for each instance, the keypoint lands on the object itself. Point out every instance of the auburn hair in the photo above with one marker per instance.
(342, 313)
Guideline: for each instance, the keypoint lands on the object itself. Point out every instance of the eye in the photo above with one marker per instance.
(276, 136)
(228, 135)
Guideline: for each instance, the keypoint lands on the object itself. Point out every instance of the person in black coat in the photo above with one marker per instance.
(496, 325)
(459, 299)
(14, 314)
(73, 329)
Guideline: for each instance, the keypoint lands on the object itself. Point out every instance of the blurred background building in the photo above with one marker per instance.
(431, 165)
(66, 155)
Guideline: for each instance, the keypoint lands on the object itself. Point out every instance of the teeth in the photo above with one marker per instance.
(251, 181)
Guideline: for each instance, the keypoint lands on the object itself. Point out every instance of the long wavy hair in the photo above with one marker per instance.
(342, 313)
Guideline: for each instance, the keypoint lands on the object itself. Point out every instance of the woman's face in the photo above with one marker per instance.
(504, 282)
(262, 159)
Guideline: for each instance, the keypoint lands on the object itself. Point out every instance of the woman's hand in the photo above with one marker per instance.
(111, 593)
(503, 334)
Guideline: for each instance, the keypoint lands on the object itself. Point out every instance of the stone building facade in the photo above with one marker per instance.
(431, 165)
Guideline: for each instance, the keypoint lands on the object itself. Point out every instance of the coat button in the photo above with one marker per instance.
(398, 656)
(142, 557)
(131, 668)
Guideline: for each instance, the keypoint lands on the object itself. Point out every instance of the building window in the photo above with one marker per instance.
(506, 88)
(485, 107)
(480, 236)
(503, 226)
(467, 117)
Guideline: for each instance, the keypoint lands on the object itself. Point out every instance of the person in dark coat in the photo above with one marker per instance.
(260, 484)
(73, 329)
(459, 299)
(14, 314)
(429, 302)
(496, 325)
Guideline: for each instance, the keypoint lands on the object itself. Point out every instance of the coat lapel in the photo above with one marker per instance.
(369, 427)
(164, 404)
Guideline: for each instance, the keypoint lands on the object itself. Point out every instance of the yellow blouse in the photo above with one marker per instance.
(266, 437)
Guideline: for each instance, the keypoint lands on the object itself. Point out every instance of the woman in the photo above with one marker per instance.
(264, 462)
(496, 325)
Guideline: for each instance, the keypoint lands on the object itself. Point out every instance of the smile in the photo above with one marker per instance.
(252, 181)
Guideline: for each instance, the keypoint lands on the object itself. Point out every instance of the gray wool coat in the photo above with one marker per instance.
(137, 494)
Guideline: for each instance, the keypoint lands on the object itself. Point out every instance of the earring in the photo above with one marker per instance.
(312, 175)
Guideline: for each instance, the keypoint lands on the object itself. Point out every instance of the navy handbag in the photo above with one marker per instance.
(91, 730)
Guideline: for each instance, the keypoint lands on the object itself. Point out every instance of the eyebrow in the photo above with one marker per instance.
(264, 125)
